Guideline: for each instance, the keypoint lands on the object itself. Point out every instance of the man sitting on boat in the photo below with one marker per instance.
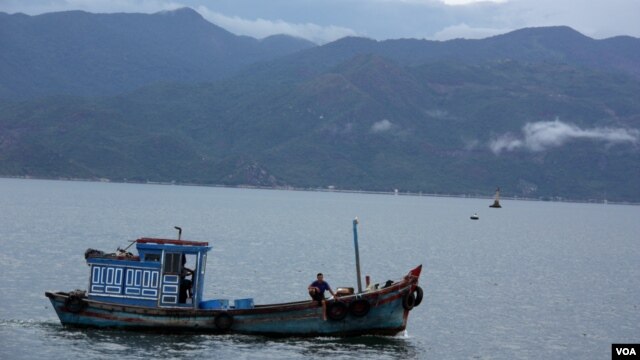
(318, 287)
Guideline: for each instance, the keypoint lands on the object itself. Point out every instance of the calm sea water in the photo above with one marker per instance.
(531, 280)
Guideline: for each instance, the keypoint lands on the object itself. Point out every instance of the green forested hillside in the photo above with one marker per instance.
(368, 124)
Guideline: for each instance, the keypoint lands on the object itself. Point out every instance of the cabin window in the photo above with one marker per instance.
(152, 257)
(172, 263)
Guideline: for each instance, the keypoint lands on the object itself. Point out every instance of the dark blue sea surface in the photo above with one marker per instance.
(536, 280)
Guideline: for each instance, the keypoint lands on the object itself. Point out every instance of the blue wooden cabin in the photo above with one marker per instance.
(157, 277)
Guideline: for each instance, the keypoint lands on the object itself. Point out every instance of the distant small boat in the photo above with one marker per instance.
(496, 201)
(475, 217)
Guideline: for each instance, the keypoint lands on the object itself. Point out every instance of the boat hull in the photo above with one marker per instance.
(386, 313)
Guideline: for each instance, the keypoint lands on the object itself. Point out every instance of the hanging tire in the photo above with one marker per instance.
(408, 301)
(337, 311)
(74, 304)
(418, 295)
(223, 321)
(359, 308)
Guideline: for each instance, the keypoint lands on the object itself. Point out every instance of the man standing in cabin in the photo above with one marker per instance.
(318, 287)
(185, 284)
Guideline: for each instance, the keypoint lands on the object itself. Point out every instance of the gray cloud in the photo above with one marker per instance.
(543, 135)
(34, 7)
(465, 31)
(260, 28)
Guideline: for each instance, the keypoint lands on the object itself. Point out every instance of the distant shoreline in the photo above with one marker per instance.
(329, 190)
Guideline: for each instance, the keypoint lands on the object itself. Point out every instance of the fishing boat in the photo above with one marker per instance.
(475, 216)
(496, 200)
(155, 291)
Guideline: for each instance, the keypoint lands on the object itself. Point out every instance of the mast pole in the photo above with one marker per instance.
(355, 243)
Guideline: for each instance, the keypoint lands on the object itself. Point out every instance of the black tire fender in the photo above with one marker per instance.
(359, 308)
(337, 311)
(418, 294)
(223, 321)
(74, 304)
(408, 301)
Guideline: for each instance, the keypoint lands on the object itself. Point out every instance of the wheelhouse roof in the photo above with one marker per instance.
(185, 246)
(172, 242)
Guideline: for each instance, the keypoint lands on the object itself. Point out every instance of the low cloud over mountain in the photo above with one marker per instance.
(544, 135)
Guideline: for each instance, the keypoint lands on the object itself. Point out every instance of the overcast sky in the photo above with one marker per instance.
(327, 20)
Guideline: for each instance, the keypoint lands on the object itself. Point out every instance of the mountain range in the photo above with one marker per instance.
(80, 53)
(541, 112)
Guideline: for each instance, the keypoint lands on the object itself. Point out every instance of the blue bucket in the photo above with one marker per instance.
(218, 304)
(243, 303)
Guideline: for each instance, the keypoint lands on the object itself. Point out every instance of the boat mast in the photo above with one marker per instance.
(355, 243)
